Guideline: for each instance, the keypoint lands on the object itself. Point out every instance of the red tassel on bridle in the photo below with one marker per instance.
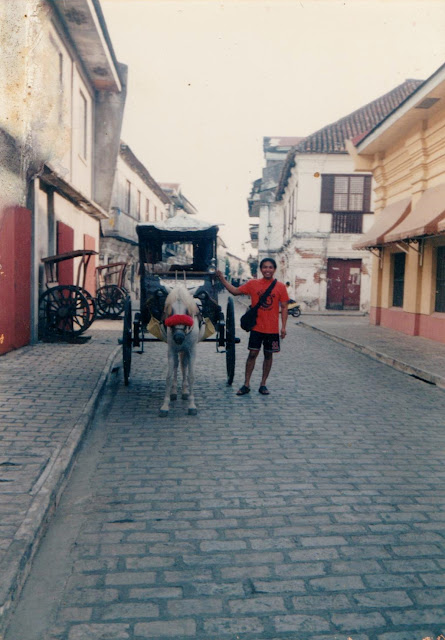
(172, 321)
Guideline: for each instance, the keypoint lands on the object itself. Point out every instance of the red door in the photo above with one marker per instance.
(343, 291)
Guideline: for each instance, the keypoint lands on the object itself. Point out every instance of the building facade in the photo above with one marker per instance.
(136, 197)
(61, 122)
(313, 207)
(406, 154)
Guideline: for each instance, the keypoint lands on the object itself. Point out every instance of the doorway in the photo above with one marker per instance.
(343, 284)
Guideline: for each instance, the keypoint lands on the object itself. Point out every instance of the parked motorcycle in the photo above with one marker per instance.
(294, 309)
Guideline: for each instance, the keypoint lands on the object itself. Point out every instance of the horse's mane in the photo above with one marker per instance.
(179, 292)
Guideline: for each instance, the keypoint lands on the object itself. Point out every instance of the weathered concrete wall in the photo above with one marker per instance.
(307, 243)
(109, 111)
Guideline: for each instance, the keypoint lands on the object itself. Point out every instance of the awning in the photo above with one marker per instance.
(424, 218)
(388, 218)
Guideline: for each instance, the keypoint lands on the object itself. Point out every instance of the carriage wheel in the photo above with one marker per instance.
(64, 312)
(111, 300)
(230, 341)
(92, 304)
(127, 343)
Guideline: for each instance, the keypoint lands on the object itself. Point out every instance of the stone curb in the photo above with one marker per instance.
(381, 357)
(17, 562)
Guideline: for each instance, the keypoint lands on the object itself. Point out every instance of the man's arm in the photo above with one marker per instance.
(230, 288)
(284, 314)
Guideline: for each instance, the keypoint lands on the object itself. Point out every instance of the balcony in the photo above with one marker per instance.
(120, 225)
(253, 231)
(347, 222)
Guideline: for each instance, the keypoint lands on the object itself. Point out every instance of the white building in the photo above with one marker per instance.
(316, 209)
(136, 197)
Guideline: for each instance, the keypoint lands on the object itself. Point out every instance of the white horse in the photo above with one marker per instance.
(181, 318)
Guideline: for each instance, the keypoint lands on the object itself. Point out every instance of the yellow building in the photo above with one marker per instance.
(406, 154)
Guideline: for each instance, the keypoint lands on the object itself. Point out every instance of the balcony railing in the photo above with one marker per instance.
(347, 223)
(120, 225)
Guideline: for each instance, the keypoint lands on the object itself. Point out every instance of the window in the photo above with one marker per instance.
(156, 213)
(147, 209)
(344, 193)
(83, 126)
(398, 279)
(138, 206)
(440, 281)
(128, 197)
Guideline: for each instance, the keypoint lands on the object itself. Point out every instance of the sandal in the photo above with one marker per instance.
(243, 390)
(264, 391)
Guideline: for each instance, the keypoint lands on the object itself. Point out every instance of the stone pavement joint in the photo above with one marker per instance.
(48, 396)
(308, 513)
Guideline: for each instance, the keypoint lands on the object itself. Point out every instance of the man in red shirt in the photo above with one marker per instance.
(266, 332)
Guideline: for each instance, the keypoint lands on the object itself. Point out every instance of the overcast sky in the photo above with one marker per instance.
(208, 79)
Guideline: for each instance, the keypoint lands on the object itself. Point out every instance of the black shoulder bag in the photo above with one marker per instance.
(248, 320)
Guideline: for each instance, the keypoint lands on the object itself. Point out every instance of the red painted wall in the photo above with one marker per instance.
(399, 320)
(375, 315)
(90, 281)
(65, 242)
(15, 278)
(433, 326)
(413, 324)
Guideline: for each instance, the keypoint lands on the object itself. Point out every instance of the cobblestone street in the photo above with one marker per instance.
(317, 512)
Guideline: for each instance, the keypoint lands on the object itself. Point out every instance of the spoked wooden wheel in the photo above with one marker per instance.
(64, 312)
(111, 300)
(230, 341)
(92, 304)
(127, 342)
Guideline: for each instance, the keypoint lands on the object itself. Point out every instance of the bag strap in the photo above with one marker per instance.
(264, 295)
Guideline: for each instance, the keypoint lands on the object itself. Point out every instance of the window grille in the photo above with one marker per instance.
(347, 223)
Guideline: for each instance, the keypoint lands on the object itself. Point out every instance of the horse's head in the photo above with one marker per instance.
(180, 311)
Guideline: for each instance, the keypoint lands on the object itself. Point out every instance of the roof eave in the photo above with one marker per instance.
(403, 115)
(85, 23)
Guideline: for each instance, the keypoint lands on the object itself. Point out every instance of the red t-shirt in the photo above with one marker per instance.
(269, 311)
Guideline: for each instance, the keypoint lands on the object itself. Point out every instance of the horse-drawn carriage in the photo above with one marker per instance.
(179, 253)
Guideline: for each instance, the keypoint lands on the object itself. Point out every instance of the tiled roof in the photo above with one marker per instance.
(331, 139)
(128, 156)
(276, 142)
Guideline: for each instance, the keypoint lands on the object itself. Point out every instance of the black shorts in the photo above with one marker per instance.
(270, 341)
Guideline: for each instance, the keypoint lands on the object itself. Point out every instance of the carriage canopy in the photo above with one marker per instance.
(185, 240)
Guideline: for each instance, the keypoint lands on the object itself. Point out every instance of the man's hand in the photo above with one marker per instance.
(219, 275)
(283, 333)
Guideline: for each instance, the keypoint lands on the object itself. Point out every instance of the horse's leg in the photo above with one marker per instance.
(184, 367)
(174, 387)
(192, 411)
(172, 366)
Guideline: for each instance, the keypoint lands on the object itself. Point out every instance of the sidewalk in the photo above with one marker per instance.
(48, 394)
(413, 355)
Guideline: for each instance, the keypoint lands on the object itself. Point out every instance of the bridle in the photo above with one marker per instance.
(179, 321)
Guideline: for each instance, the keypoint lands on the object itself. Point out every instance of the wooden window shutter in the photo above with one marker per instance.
(367, 194)
(327, 193)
